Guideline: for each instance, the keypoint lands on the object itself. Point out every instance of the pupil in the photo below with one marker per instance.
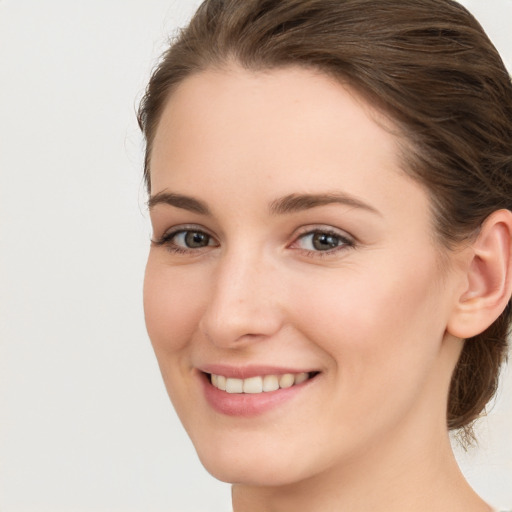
(195, 239)
(323, 241)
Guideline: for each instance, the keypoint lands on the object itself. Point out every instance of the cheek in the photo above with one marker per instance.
(172, 306)
(382, 324)
(382, 346)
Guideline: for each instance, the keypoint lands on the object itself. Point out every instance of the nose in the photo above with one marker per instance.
(244, 305)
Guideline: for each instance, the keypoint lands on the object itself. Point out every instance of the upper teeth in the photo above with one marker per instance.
(258, 384)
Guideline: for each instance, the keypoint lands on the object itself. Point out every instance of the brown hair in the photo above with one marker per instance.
(429, 66)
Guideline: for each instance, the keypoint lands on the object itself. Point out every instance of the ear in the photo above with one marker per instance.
(488, 278)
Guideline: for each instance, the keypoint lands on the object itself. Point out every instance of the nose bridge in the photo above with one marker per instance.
(242, 304)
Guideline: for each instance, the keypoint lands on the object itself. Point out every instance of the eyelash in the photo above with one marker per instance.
(167, 240)
(346, 242)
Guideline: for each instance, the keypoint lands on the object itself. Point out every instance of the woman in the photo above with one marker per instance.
(328, 287)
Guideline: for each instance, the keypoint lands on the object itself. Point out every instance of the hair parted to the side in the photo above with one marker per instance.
(429, 66)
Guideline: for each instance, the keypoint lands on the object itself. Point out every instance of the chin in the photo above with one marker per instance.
(256, 467)
(247, 473)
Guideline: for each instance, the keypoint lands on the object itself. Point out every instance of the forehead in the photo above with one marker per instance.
(290, 97)
(278, 132)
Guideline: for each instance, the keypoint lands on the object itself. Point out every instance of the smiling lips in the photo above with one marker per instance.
(258, 384)
(252, 391)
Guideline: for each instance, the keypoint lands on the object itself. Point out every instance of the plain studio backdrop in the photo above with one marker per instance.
(85, 423)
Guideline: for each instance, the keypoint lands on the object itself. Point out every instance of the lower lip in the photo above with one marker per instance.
(248, 404)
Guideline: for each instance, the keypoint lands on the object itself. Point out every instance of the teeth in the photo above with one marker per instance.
(234, 385)
(301, 377)
(221, 382)
(253, 385)
(270, 383)
(258, 384)
(286, 381)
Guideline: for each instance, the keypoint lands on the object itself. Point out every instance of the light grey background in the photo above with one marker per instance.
(85, 424)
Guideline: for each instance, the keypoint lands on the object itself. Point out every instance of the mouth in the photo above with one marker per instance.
(259, 383)
(253, 391)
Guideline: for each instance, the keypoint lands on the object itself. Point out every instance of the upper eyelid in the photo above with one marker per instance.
(169, 232)
(299, 232)
(306, 230)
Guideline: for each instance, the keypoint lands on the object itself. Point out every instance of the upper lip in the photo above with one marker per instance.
(245, 372)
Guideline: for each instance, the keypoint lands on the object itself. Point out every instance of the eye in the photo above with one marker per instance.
(185, 240)
(191, 239)
(323, 241)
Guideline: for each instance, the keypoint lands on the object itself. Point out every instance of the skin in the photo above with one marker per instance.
(372, 315)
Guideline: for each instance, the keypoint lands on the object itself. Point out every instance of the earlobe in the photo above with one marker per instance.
(488, 278)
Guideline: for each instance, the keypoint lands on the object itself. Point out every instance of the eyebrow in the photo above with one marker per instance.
(288, 204)
(299, 202)
(179, 201)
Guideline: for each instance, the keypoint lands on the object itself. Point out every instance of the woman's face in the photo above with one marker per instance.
(287, 241)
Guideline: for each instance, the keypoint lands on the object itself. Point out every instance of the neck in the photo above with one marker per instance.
(408, 475)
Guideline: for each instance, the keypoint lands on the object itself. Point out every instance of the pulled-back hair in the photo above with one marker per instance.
(427, 65)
